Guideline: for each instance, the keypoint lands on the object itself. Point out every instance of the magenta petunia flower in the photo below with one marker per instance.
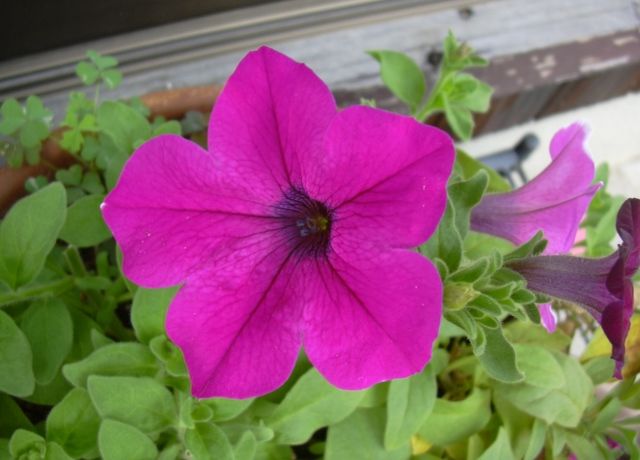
(294, 229)
(554, 201)
(602, 286)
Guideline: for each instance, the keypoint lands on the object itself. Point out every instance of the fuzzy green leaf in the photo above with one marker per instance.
(48, 326)
(208, 442)
(402, 76)
(359, 437)
(16, 373)
(139, 401)
(409, 403)
(122, 358)
(84, 226)
(453, 421)
(119, 441)
(148, 312)
(28, 232)
(73, 423)
(311, 404)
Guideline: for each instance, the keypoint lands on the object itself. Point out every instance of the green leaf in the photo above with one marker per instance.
(73, 423)
(71, 176)
(28, 232)
(36, 110)
(464, 195)
(33, 132)
(499, 357)
(470, 166)
(459, 119)
(409, 403)
(311, 404)
(359, 437)
(16, 372)
(148, 312)
(26, 445)
(170, 355)
(208, 442)
(124, 125)
(458, 56)
(13, 117)
(112, 78)
(168, 127)
(446, 242)
(539, 366)
(12, 417)
(500, 449)
(48, 326)
(453, 421)
(226, 409)
(245, 448)
(536, 440)
(603, 233)
(102, 62)
(402, 76)
(4, 449)
(606, 416)
(582, 448)
(599, 369)
(87, 72)
(119, 441)
(84, 226)
(123, 358)
(562, 406)
(467, 91)
(55, 452)
(139, 401)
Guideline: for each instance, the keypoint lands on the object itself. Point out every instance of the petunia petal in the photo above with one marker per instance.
(570, 172)
(237, 325)
(384, 173)
(371, 317)
(270, 119)
(506, 216)
(554, 201)
(548, 317)
(174, 206)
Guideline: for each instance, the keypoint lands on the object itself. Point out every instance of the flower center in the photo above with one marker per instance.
(307, 222)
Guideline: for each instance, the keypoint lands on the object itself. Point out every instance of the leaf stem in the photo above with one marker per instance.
(51, 288)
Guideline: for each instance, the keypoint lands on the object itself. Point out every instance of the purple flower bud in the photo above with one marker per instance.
(602, 286)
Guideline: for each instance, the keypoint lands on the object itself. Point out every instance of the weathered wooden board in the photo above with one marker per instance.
(503, 30)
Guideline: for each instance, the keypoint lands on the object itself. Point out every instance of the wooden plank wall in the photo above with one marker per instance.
(565, 53)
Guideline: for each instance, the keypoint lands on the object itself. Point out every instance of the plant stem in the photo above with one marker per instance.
(51, 288)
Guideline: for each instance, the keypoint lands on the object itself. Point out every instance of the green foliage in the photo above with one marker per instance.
(140, 401)
(73, 423)
(131, 359)
(359, 437)
(409, 403)
(16, 373)
(99, 69)
(27, 127)
(311, 404)
(48, 326)
(28, 233)
(119, 441)
(84, 226)
(402, 76)
(601, 217)
(456, 94)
